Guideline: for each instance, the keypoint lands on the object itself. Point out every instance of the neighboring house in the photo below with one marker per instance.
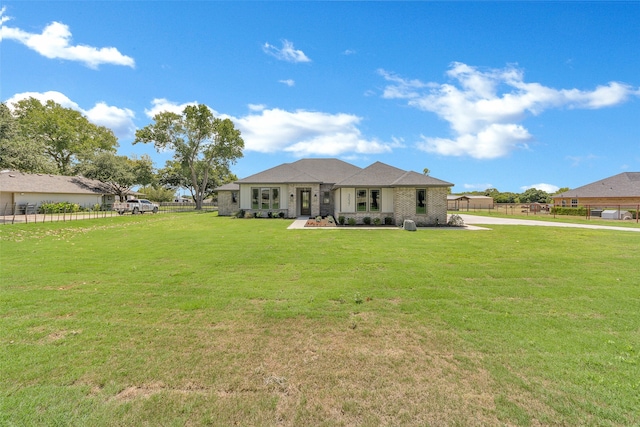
(312, 187)
(618, 190)
(467, 202)
(19, 189)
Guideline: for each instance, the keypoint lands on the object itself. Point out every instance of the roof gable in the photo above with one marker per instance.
(320, 171)
(626, 184)
(383, 175)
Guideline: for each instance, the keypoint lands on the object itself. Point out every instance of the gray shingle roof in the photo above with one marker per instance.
(18, 182)
(232, 186)
(626, 184)
(382, 175)
(326, 171)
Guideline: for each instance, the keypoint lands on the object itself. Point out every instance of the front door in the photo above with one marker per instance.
(305, 202)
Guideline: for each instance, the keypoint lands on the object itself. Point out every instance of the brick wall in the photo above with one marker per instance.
(226, 206)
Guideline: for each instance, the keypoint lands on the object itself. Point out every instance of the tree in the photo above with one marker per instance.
(533, 195)
(18, 153)
(176, 176)
(201, 143)
(426, 171)
(119, 172)
(562, 190)
(157, 193)
(65, 134)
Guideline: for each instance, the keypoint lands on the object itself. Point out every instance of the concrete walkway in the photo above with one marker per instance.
(473, 220)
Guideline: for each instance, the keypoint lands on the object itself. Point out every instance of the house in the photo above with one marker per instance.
(467, 202)
(18, 190)
(312, 187)
(618, 190)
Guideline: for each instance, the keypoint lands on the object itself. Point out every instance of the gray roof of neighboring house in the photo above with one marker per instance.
(626, 184)
(327, 171)
(468, 196)
(382, 175)
(18, 182)
(232, 186)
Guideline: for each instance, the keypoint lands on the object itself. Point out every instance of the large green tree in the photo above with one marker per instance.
(120, 173)
(65, 135)
(176, 175)
(17, 152)
(201, 143)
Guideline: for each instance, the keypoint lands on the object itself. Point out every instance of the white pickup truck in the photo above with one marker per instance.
(135, 206)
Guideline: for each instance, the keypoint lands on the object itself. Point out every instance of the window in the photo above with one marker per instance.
(574, 203)
(421, 201)
(361, 200)
(265, 198)
(234, 197)
(326, 197)
(374, 200)
(255, 196)
(564, 203)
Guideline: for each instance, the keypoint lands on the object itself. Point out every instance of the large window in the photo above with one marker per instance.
(374, 200)
(574, 203)
(421, 201)
(368, 200)
(361, 200)
(265, 198)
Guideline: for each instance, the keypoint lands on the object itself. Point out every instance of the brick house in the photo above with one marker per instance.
(312, 187)
(618, 190)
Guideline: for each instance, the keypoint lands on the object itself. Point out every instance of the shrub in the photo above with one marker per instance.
(59, 207)
(281, 215)
(351, 221)
(579, 211)
(341, 220)
(240, 213)
(366, 220)
(388, 220)
(249, 215)
(376, 221)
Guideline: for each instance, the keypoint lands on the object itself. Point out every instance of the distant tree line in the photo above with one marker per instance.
(48, 138)
(532, 195)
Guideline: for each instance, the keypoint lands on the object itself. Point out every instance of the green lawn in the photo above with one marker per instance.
(194, 319)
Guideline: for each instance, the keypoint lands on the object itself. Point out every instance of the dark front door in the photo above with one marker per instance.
(305, 202)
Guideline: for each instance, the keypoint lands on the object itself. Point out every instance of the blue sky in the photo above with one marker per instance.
(504, 95)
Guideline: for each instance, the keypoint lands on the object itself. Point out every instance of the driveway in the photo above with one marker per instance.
(473, 220)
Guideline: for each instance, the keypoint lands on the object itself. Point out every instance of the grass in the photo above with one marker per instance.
(194, 319)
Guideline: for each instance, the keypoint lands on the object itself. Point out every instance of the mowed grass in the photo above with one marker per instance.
(194, 319)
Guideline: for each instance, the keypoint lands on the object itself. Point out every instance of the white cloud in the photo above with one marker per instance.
(349, 52)
(484, 108)
(257, 107)
(548, 188)
(288, 82)
(477, 186)
(286, 53)
(161, 105)
(54, 43)
(119, 120)
(307, 133)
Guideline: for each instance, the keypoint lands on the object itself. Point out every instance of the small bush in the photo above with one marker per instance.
(376, 221)
(59, 207)
(388, 220)
(366, 220)
(341, 220)
(281, 215)
(351, 221)
(579, 211)
(240, 213)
